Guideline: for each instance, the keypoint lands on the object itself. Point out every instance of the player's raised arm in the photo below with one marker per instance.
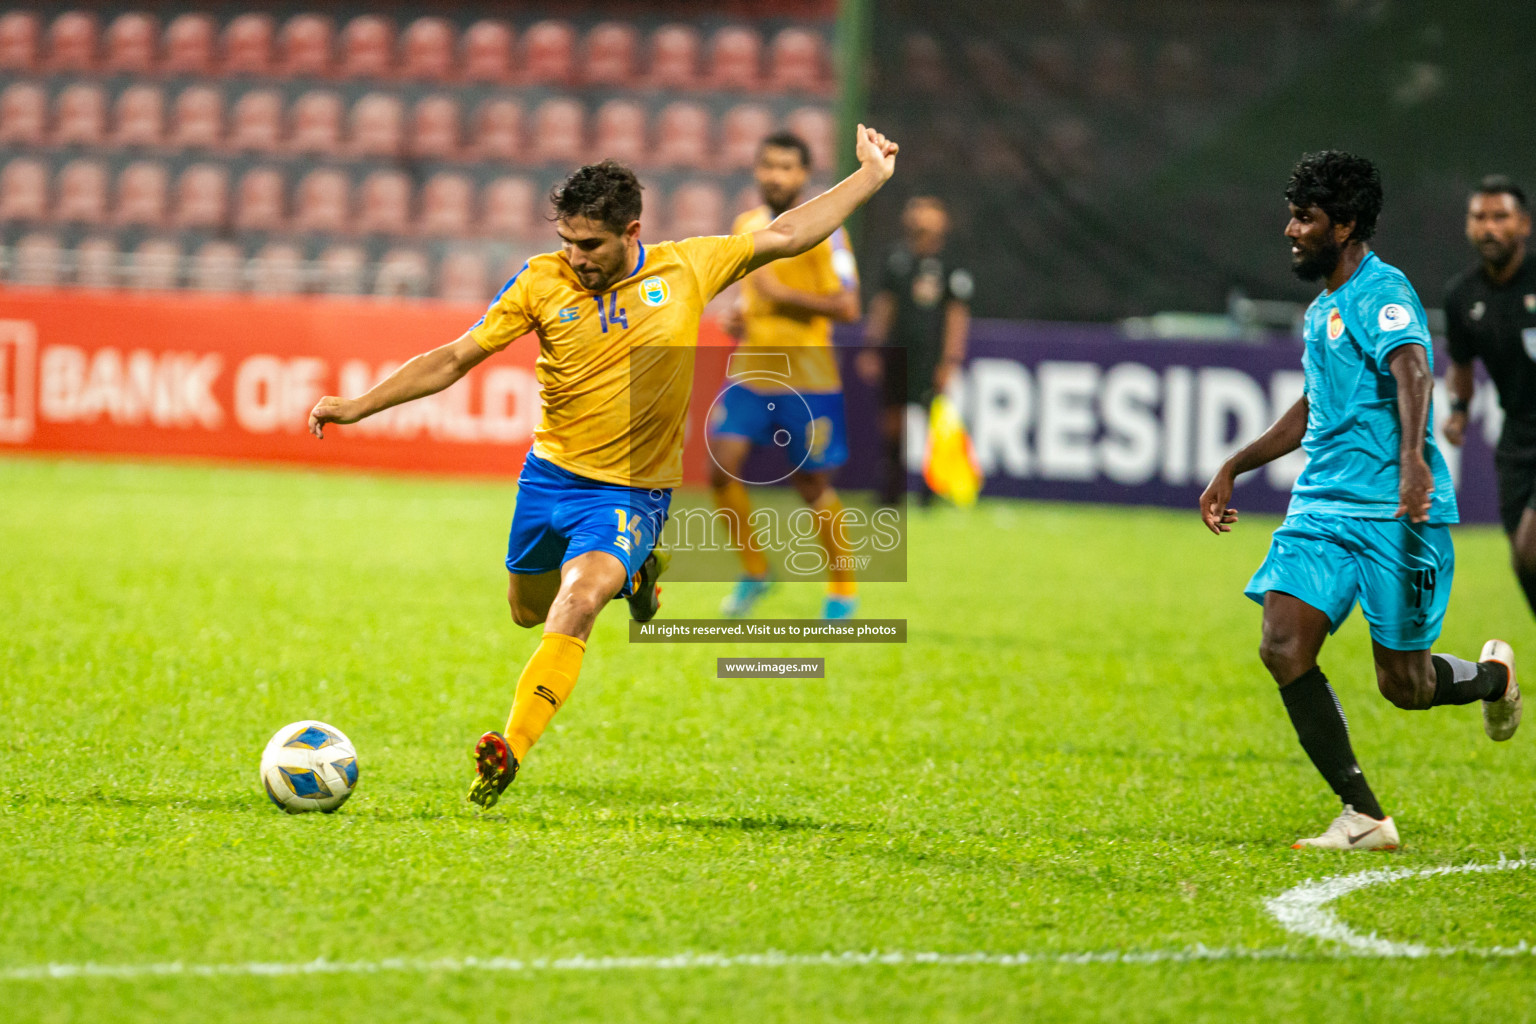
(795, 231)
(426, 374)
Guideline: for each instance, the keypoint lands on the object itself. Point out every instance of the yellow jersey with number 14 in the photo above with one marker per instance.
(804, 338)
(615, 368)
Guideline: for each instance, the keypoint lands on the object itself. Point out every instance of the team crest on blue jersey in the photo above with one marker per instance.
(654, 291)
(1335, 325)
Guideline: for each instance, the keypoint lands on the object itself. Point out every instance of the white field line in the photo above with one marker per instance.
(1300, 910)
(1304, 911)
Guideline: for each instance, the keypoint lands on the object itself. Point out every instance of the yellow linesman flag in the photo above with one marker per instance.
(950, 465)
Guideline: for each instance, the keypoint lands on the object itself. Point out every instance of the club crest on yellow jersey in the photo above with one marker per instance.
(654, 291)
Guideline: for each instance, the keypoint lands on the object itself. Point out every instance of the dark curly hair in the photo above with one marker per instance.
(608, 193)
(1345, 187)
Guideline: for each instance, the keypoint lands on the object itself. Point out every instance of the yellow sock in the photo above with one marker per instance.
(733, 501)
(830, 525)
(546, 683)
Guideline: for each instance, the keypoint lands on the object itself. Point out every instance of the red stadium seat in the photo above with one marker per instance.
(19, 32)
(549, 53)
(132, 40)
(96, 263)
(435, 128)
(248, 45)
(155, 266)
(749, 198)
(197, 119)
(368, 47)
(403, 273)
(559, 127)
(447, 202)
(259, 204)
(82, 193)
(509, 209)
(140, 117)
(80, 115)
(141, 193)
(620, 132)
(341, 269)
(277, 269)
(306, 46)
(816, 126)
(488, 52)
(697, 208)
(797, 62)
(735, 59)
(24, 190)
(189, 45)
(202, 197)
(498, 130)
(39, 261)
(427, 51)
(257, 123)
(378, 126)
(72, 42)
(316, 123)
(674, 57)
(743, 129)
(23, 114)
(610, 55)
(461, 278)
(218, 267)
(384, 204)
(323, 202)
(682, 136)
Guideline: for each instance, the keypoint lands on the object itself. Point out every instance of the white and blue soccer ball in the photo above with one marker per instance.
(309, 766)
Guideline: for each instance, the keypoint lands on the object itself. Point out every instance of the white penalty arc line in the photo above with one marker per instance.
(1301, 911)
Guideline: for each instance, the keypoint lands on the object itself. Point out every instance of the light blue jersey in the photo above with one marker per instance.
(1352, 422)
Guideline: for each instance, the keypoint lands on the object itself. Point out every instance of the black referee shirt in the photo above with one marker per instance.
(1497, 324)
(922, 287)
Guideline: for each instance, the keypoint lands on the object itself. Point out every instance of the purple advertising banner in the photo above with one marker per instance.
(1076, 412)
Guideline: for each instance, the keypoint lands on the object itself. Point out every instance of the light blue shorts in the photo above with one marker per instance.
(1399, 571)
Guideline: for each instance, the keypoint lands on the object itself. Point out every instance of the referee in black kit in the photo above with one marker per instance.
(919, 319)
(1490, 314)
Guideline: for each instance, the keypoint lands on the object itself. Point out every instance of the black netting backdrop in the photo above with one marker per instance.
(1114, 159)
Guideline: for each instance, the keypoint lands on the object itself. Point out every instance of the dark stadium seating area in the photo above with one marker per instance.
(342, 153)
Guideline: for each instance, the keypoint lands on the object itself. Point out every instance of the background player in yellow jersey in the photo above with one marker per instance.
(616, 321)
(784, 390)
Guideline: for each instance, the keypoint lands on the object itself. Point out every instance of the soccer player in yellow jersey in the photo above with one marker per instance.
(616, 322)
(784, 390)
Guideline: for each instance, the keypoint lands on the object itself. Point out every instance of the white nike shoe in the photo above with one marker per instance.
(1352, 830)
(1501, 717)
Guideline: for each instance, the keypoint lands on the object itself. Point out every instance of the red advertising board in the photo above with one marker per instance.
(234, 377)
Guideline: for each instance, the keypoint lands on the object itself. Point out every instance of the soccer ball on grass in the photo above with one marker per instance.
(309, 766)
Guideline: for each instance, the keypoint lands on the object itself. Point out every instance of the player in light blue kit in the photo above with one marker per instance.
(1369, 516)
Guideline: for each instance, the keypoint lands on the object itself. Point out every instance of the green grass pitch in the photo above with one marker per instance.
(1077, 752)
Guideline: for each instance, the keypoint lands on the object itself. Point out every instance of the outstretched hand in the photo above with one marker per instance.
(330, 409)
(876, 151)
(1213, 504)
